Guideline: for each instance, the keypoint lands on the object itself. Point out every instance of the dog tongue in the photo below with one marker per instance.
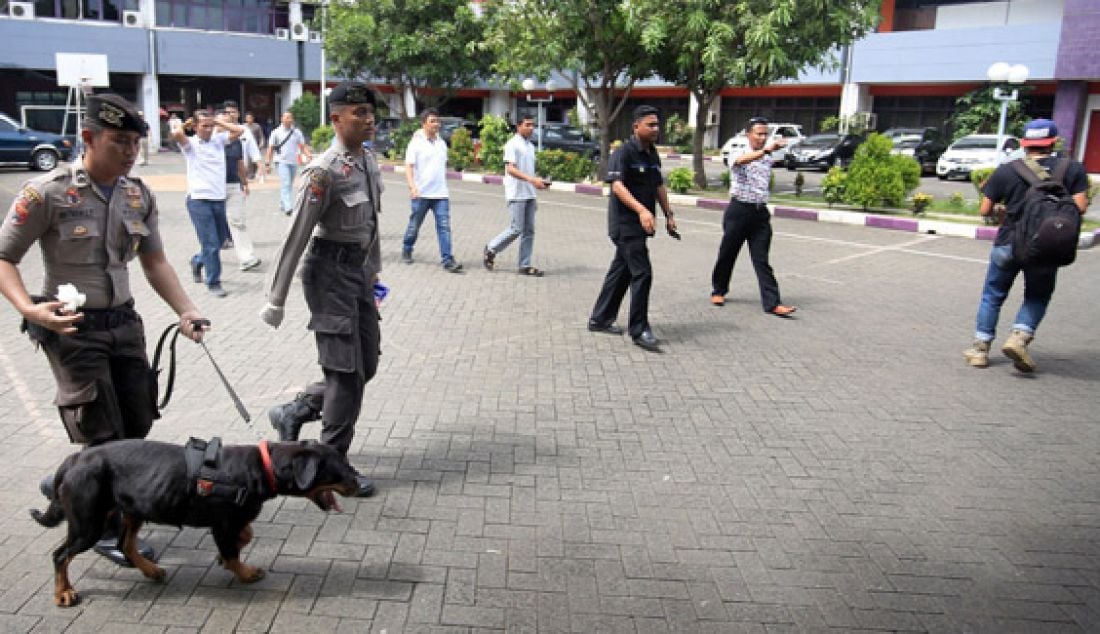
(330, 501)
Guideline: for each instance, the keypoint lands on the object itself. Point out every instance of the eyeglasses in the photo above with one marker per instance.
(758, 121)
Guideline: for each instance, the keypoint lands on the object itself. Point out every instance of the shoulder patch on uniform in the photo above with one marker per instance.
(28, 200)
(319, 181)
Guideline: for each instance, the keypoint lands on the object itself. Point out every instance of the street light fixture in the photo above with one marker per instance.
(529, 85)
(999, 73)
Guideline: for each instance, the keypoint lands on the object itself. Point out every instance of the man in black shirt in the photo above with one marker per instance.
(634, 172)
(1008, 187)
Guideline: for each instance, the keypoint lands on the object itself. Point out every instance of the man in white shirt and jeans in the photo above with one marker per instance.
(426, 175)
(285, 143)
(205, 154)
(520, 184)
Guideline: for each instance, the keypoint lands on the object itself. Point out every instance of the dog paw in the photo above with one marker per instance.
(66, 598)
(156, 573)
(250, 574)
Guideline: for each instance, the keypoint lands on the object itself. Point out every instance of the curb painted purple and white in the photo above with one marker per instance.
(1088, 239)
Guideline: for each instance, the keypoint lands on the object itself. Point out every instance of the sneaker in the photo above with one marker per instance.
(196, 272)
(1016, 349)
(288, 418)
(977, 355)
(488, 259)
(217, 290)
(407, 257)
(452, 267)
(228, 244)
(250, 263)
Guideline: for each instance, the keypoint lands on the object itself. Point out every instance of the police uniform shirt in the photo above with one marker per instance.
(1006, 186)
(86, 239)
(338, 200)
(639, 170)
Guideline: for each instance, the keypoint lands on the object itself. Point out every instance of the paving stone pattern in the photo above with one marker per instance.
(843, 471)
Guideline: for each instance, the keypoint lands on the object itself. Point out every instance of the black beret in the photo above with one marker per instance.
(111, 111)
(349, 93)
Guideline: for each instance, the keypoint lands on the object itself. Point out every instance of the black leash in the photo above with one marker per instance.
(199, 324)
(171, 363)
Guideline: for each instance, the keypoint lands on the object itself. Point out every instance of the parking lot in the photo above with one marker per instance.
(842, 471)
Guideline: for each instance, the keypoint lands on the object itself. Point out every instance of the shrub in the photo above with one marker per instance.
(877, 177)
(1094, 188)
(979, 177)
(559, 165)
(461, 153)
(401, 137)
(307, 113)
(680, 179)
(322, 137)
(799, 183)
(495, 132)
(956, 201)
(677, 132)
(921, 202)
(834, 184)
(726, 180)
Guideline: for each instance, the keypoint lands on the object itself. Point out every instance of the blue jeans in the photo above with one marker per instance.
(522, 227)
(441, 208)
(1038, 287)
(208, 217)
(286, 185)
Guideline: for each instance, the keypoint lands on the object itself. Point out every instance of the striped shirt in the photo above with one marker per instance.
(749, 181)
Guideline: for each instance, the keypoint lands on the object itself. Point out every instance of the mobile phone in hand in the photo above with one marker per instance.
(674, 233)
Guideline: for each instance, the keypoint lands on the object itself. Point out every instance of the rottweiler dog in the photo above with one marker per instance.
(148, 481)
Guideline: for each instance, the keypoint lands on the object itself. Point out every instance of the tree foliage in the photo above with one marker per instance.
(708, 45)
(307, 113)
(495, 132)
(593, 43)
(977, 112)
(428, 46)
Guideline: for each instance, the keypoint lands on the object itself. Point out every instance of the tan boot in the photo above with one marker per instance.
(1016, 349)
(977, 355)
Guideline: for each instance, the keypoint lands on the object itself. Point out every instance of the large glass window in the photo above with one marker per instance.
(239, 16)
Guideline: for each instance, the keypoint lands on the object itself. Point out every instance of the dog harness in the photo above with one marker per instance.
(208, 481)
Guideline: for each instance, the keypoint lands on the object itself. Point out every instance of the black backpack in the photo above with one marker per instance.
(1048, 225)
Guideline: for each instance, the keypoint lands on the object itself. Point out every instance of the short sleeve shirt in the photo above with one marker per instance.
(520, 152)
(1008, 187)
(288, 151)
(233, 152)
(639, 169)
(749, 181)
(206, 166)
(429, 161)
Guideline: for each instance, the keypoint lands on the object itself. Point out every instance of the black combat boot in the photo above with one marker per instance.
(287, 419)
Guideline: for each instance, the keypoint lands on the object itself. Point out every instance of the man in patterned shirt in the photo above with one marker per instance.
(747, 219)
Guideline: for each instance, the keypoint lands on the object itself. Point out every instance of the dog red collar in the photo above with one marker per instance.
(269, 470)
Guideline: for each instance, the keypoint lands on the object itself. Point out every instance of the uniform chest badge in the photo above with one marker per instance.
(72, 196)
(80, 230)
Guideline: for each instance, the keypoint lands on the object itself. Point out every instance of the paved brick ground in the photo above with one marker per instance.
(843, 471)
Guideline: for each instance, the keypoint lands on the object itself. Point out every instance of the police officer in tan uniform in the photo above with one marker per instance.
(90, 219)
(336, 213)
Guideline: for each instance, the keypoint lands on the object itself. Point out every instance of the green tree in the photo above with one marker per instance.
(307, 113)
(461, 153)
(495, 132)
(877, 177)
(977, 112)
(427, 46)
(707, 45)
(593, 43)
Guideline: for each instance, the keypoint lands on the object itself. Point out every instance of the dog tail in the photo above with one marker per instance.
(52, 517)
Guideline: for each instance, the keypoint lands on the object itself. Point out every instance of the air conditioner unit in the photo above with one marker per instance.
(132, 19)
(282, 34)
(21, 10)
(298, 31)
(315, 37)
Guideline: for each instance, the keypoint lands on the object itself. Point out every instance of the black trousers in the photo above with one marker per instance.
(344, 321)
(741, 223)
(630, 268)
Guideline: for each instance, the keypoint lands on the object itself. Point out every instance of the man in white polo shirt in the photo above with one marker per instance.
(285, 144)
(520, 184)
(205, 154)
(426, 175)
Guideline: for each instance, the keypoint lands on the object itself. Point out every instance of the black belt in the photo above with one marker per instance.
(107, 318)
(340, 252)
(748, 204)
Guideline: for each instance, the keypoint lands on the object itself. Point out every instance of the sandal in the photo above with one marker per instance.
(488, 259)
(532, 271)
(783, 311)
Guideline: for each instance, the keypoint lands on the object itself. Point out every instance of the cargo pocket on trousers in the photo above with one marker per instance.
(73, 404)
(335, 348)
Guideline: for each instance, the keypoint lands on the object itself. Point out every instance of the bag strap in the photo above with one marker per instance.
(286, 138)
(1030, 171)
(1060, 171)
(171, 361)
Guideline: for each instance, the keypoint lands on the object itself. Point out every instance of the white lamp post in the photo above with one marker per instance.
(324, 90)
(1000, 73)
(529, 86)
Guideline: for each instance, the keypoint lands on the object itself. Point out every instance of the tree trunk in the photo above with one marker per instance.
(697, 141)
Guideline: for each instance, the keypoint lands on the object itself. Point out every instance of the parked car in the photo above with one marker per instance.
(792, 132)
(448, 125)
(383, 135)
(973, 152)
(823, 151)
(926, 147)
(33, 148)
(562, 136)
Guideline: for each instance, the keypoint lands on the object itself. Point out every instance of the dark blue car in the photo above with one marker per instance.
(25, 147)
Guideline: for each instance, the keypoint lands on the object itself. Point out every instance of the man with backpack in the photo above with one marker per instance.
(1044, 198)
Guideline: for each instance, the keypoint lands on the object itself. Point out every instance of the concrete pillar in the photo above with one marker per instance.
(714, 119)
(410, 101)
(500, 103)
(149, 104)
(292, 91)
(1069, 108)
